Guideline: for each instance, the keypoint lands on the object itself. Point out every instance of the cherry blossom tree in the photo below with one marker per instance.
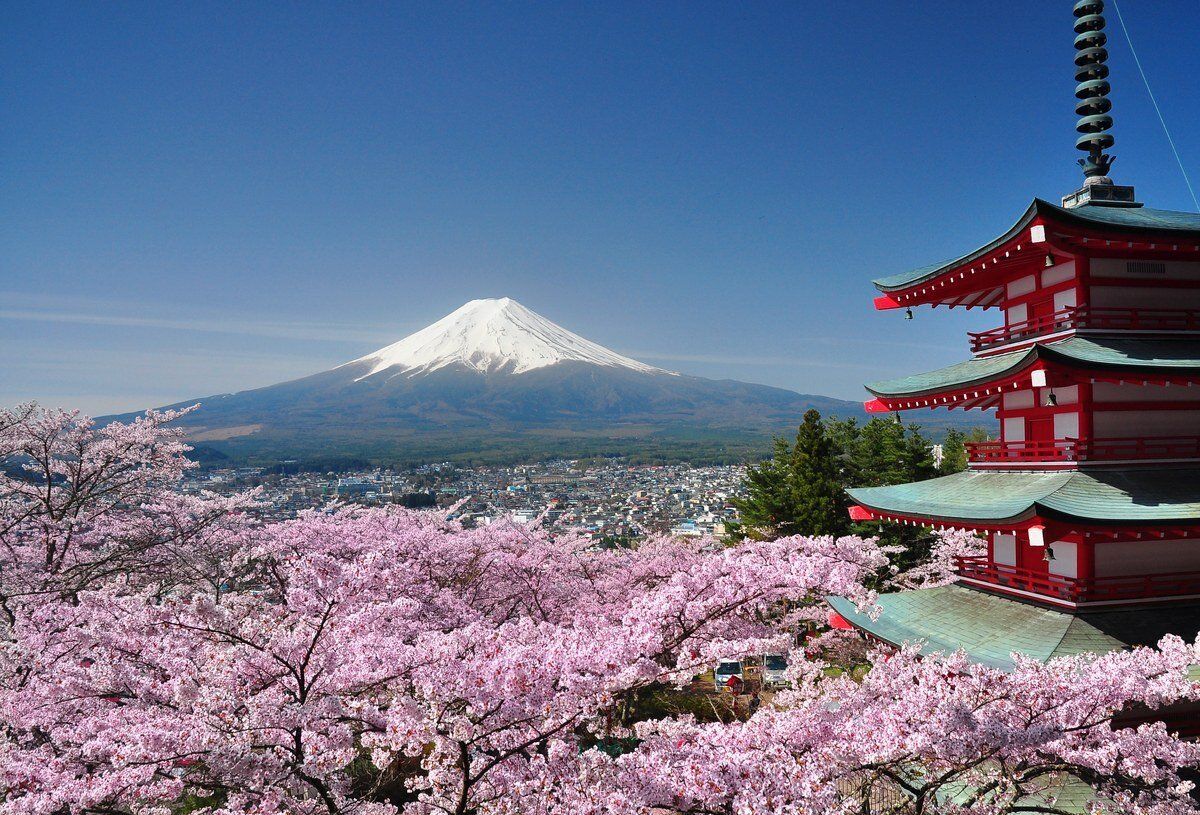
(84, 506)
(165, 653)
(940, 568)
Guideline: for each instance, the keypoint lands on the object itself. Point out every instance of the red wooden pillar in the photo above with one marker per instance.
(1083, 280)
(1086, 426)
(1087, 557)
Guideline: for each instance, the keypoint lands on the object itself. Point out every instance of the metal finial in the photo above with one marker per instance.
(1091, 73)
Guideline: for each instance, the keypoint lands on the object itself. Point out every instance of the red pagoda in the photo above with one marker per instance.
(1090, 498)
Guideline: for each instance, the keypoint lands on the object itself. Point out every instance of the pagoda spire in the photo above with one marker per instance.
(1091, 72)
(1092, 91)
(1093, 107)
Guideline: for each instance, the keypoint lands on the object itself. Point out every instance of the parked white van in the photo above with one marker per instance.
(725, 670)
(774, 668)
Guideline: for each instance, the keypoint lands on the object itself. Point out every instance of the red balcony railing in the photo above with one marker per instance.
(996, 451)
(1164, 447)
(1100, 589)
(1063, 320)
(1058, 450)
(1121, 319)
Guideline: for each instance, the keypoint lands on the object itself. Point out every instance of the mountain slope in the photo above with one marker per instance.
(495, 381)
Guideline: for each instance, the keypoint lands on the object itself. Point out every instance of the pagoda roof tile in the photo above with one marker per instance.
(1101, 496)
(990, 628)
(1109, 353)
(1126, 219)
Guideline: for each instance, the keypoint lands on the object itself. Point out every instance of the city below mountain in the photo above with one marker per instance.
(495, 382)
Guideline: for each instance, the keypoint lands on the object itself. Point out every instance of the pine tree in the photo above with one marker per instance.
(768, 505)
(954, 452)
(821, 501)
(916, 456)
(799, 491)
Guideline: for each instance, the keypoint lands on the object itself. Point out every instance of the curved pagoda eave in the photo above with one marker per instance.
(990, 628)
(990, 499)
(1114, 357)
(974, 279)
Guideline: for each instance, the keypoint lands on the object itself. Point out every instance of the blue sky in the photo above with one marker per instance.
(204, 197)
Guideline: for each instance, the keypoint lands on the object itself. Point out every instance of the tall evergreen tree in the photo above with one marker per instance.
(821, 501)
(954, 452)
(768, 507)
(800, 490)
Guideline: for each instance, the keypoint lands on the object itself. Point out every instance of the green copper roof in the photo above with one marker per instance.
(1126, 219)
(961, 374)
(1162, 495)
(990, 628)
(1107, 353)
(1129, 218)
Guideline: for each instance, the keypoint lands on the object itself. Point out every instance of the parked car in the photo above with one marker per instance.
(774, 668)
(725, 670)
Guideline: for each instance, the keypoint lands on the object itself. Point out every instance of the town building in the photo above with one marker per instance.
(1090, 498)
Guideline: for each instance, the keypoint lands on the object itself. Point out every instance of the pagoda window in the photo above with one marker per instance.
(1113, 393)
(1132, 270)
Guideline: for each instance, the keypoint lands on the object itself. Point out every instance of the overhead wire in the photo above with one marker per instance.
(1154, 101)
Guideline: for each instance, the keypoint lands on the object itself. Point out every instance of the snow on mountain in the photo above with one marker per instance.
(491, 336)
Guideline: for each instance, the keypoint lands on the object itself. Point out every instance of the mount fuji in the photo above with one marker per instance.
(490, 382)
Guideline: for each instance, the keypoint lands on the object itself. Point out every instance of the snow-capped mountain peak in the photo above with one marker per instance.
(491, 336)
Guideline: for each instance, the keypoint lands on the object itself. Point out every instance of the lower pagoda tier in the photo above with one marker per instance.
(1071, 539)
(990, 629)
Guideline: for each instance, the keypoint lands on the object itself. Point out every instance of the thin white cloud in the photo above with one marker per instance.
(724, 359)
(305, 330)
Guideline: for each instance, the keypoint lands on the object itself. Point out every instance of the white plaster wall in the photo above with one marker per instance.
(1148, 297)
(1004, 549)
(1066, 559)
(1014, 429)
(1065, 396)
(1111, 392)
(1147, 557)
(1066, 425)
(1119, 424)
(1015, 400)
(1064, 299)
(1058, 274)
(1022, 285)
(1018, 314)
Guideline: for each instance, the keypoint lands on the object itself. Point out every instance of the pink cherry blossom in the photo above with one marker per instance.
(162, 651)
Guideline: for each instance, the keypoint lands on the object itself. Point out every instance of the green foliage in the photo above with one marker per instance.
(800, 490)
(954, 449)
